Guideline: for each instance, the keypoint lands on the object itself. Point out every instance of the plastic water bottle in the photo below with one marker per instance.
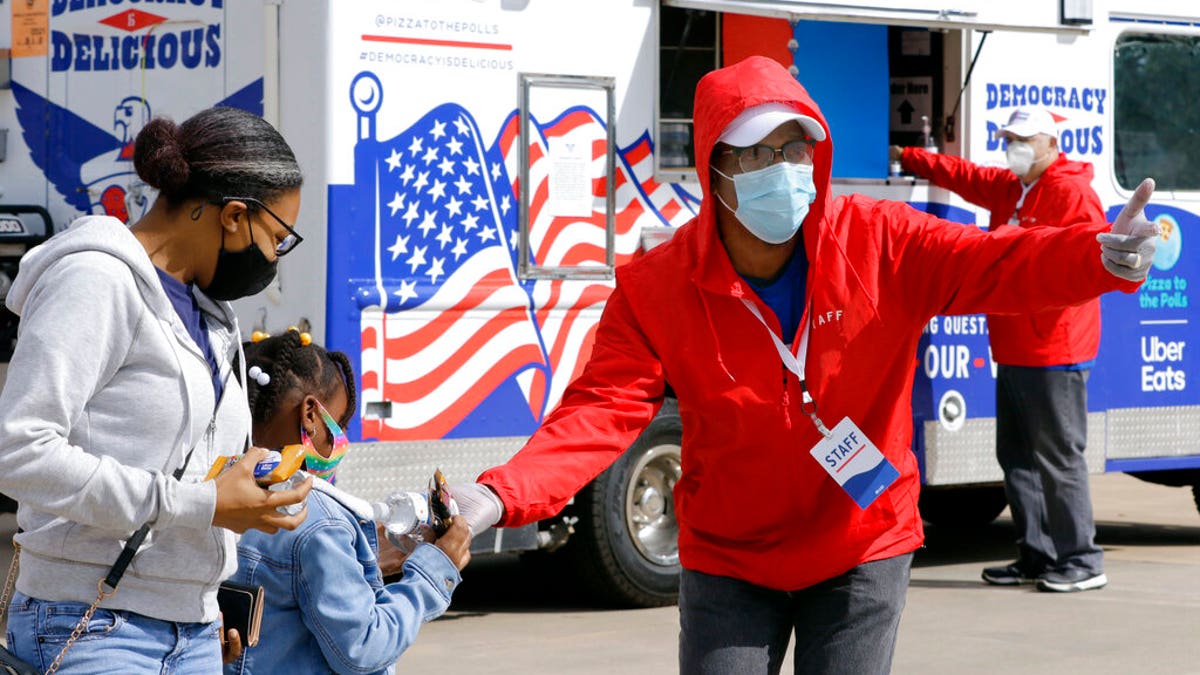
(405, 517)
(287, 484)
(927, 132)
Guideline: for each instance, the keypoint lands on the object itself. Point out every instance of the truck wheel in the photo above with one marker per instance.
(625, 548)
(1170, 478)
(962, 506)
(1173, 478)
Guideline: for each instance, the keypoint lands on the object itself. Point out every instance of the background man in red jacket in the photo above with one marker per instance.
(1043, 358)
(786, 321)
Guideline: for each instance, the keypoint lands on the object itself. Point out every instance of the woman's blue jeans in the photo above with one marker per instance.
(115, 641)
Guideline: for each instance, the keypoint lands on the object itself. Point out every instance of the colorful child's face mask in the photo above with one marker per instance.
(316, 464)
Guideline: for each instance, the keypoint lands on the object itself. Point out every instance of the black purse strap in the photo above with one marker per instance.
(135, 541)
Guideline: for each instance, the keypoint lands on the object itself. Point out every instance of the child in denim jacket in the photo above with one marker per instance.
(326, 605)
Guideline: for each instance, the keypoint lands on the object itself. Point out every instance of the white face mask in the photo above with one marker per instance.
(1020, 157)
(773, 202)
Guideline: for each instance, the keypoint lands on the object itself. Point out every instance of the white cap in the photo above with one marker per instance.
(1026, 122)
(756, 122)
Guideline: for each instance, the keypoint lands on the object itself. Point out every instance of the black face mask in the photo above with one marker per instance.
(240, 273)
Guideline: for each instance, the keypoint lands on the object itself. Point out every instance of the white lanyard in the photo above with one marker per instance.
(794, 363)
(1016, 217)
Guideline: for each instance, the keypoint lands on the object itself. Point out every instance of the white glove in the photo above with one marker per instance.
(1128, 249)
(478, 504)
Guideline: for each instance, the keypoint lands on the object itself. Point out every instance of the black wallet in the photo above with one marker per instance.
(241, 609)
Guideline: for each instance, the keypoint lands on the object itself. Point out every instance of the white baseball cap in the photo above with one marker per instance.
(754, 124)
(1026, 122)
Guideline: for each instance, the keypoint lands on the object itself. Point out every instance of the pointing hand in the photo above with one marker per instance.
(1128, 249)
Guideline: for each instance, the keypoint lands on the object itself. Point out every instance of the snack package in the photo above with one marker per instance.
(279, 465)
(280, 470)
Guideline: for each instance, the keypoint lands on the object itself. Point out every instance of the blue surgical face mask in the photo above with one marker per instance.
(773, 202)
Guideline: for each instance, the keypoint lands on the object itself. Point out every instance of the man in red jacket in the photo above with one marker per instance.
(786, 322)
(1043, 358)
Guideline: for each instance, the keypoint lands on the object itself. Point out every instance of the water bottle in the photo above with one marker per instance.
(405, 517)
(287, 484)
(927, 132)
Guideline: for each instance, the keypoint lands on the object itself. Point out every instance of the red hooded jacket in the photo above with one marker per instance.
(752, 503)
(1061, 197)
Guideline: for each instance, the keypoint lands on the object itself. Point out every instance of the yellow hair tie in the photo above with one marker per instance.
(259, 336)
(305, 338)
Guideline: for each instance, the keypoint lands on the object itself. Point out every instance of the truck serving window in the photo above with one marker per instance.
(688, 48)
(1156, 119)
(899, 75)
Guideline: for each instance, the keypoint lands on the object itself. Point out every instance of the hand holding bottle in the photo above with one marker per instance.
(456, 542)
(391, 559)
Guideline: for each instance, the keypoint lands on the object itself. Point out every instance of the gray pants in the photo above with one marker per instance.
(846, 625)
(1041, 434)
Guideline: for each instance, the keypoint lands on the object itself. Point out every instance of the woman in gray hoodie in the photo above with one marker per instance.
(128, 369)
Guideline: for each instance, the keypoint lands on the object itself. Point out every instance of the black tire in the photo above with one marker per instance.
(7, 505)
(970, 506)
(613, 566)
(1170, 478)
(1173, 478)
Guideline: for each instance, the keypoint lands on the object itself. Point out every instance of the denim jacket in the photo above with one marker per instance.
(326, 607)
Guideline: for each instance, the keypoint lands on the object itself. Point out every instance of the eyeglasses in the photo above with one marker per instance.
(758, 157)
(291, 241)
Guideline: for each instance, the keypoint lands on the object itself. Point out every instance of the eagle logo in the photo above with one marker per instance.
(92, 167)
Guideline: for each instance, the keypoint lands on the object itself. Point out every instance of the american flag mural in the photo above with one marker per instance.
(453, 343)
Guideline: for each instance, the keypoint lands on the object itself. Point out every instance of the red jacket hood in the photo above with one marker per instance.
(723, 94)
(720, 97)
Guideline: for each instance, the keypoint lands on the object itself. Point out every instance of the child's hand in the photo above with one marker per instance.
(231, 644)
(243, 505)
(456, 542)
(391, 559)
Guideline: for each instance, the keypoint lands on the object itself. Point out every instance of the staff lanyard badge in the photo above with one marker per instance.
(846, 454)
(853, 461)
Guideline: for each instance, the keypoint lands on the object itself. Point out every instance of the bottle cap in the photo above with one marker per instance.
(380, 512)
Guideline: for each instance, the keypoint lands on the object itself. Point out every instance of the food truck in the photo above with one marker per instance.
(477, 169)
